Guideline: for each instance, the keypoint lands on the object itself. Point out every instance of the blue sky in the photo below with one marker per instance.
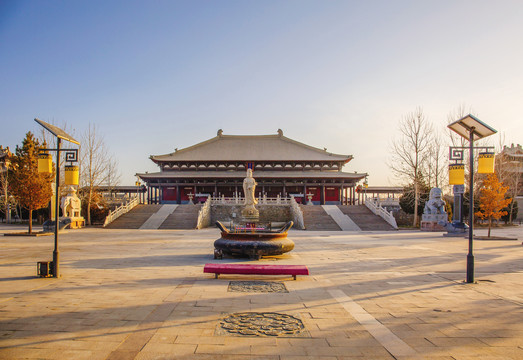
(159, 75)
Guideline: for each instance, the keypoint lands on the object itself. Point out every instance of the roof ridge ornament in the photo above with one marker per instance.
(220, 132)
(280, 132)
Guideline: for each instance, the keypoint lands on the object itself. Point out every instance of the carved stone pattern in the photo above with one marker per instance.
(262, 324)
(257, 286)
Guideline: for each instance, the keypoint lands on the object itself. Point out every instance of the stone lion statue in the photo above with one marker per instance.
(435, 205)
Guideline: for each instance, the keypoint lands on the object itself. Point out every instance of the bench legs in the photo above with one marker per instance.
(217, 274)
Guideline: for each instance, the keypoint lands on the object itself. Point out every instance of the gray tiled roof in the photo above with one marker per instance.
(193, 174)
(251, 148)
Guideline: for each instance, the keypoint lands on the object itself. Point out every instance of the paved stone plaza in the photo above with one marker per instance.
(142, 294)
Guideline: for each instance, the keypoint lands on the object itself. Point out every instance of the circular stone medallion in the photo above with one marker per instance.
(262, 324)
(257, 286)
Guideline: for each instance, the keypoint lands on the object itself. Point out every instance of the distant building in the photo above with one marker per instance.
(118, 193)
(386, 196)
(281, 166)
(512, 159)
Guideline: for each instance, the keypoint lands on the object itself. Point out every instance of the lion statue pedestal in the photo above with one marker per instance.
(71, 208)
(434, 215)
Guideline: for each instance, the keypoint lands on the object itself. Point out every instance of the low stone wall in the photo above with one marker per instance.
(268, 213)
(402, 218)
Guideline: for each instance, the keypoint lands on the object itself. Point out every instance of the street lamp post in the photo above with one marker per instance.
(71, 155)
(471, 128)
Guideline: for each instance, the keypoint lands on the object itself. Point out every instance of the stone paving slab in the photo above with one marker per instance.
(142, 294)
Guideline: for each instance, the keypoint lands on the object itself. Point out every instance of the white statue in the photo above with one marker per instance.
(249, 212)
(249, 186)
(71, 204)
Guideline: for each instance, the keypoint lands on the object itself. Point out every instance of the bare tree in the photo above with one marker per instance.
(96, 165)
(5, 157)
(113, 174)
(4, 188)
(410, 152)
(437, 161)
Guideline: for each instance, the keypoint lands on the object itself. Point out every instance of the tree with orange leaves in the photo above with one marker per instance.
(492, 200)
(31, 189)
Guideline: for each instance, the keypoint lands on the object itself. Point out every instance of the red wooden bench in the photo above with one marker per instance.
(248, 269)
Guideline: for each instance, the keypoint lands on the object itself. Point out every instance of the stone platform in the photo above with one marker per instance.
(432, 222)
(141, 294)
(431, 226)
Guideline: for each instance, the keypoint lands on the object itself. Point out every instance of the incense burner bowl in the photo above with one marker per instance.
(252, 242)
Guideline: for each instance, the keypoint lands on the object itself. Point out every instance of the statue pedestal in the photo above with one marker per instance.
(432, 222)
(431, 226)
(76, 222)
(456, 229)
(65, 222)
(250, 214)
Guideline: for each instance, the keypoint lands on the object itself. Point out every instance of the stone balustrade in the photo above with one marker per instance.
(262, 200)
(297, 214)
(377, 209)
(123, 209)
(204, 215)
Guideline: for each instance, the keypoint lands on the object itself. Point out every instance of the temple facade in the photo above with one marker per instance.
(281, 166)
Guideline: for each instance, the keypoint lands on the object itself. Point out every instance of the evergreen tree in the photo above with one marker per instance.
(407, 200)
(31, 189)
